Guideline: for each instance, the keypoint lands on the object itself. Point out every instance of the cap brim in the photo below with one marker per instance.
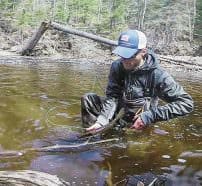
(124, 52)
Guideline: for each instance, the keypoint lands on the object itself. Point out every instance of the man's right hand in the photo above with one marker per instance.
(94, 127)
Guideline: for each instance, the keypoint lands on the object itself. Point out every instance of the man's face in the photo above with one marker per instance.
(134, 61)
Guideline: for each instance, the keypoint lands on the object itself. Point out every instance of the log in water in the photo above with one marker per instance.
(30, 178)
(55, 148)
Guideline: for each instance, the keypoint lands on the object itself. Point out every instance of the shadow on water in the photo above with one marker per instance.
(40, 106)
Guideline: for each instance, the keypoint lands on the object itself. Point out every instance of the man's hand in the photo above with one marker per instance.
(94, 127)
(138, 124)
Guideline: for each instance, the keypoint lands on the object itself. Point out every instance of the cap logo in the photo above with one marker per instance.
(125, 38)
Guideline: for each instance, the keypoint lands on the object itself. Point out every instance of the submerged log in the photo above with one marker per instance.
(56, 148)
(30, 178)
(27, 49)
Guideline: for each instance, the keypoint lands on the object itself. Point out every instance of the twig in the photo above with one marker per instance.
(120, 182)
(152, 183)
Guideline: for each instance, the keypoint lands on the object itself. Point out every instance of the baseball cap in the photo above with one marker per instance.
(130, 42)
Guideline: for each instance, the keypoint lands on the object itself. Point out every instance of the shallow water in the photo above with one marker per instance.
(40, 106)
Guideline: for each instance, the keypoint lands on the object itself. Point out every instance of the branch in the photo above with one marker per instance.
(178, 61)
(26, 50)
(55, 148)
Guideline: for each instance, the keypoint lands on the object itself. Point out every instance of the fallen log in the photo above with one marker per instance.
(171, 59)
(30, 178)
(27, 49)
(191, 65)
(29, 46)
(82, 34)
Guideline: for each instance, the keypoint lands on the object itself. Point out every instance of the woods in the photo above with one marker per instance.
(169, 25)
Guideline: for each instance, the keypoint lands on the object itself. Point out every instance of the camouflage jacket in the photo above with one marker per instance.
(149, 81)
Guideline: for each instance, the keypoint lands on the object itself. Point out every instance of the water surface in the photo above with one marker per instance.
(40, 106)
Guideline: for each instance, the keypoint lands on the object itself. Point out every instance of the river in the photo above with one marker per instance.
(40, 106)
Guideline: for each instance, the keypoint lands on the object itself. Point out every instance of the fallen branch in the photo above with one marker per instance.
(55, 148)
(82, 34)
(27, 49)
(170, 59)
(67, 147)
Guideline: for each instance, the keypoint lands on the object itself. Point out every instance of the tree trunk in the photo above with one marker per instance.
(194, 17)
(99, 11)
(143, 14)
(139, 14)
(82, 34)
(44, 26)
(26, 50)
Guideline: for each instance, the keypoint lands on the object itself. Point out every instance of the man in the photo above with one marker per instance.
(136, 81)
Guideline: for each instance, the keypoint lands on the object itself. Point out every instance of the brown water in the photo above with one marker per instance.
(40, 106)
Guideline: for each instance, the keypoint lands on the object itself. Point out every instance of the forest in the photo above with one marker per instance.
(174, 26)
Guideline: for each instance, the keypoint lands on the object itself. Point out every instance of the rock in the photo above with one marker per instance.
(30, 178)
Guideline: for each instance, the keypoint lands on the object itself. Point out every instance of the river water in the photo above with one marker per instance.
(40, 106)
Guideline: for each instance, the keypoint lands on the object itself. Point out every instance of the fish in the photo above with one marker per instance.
(105, 128)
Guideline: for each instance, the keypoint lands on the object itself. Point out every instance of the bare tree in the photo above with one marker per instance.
(142, 4)
(143, 13)
(99, 11)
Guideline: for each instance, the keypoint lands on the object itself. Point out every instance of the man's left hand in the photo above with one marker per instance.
(138, 124)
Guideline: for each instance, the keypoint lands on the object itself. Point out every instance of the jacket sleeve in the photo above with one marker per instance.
(115, 81)
(113, 93)
(179, 102)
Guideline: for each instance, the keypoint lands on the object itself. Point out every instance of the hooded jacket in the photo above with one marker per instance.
(148, 81)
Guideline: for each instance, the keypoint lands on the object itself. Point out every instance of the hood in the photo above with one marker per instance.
(151, 62)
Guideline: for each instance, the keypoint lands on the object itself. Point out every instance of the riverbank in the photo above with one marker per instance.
(7, 57)
(56, 45)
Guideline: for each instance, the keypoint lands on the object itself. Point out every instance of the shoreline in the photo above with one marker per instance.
(8, 55)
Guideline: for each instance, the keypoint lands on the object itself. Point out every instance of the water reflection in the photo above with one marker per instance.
(40, 106)
(78, 168)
